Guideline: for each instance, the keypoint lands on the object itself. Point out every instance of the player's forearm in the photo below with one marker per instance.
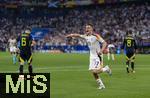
(104, 44)
(73, 35)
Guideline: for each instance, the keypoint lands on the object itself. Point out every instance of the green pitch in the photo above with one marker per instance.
(70, 77)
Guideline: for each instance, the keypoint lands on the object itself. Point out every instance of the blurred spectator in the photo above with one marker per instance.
(111, 22)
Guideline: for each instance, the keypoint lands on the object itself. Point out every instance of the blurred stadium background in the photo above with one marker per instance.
(51, 20)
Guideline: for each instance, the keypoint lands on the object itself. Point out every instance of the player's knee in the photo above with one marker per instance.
(96, 71)
(93, 71)
(132, 60)
(100, 70)
(29, 62)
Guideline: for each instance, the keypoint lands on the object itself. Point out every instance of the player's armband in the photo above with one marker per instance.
(99, 38)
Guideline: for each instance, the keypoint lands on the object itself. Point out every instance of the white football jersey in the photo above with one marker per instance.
(12, 42)
(93, 42)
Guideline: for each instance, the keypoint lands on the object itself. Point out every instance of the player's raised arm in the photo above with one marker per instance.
(101, 40)
(104, 44)
(75, 35)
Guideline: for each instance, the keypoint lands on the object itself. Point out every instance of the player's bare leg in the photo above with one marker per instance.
(21, 76)
(132, 66)
(113, 57)
(99, 81)
(108, 56)
(21, 66)
(98, 71)
(103, 69)
(30, 69)
(14, 58)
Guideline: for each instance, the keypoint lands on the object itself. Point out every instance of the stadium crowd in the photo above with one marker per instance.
(111, 21)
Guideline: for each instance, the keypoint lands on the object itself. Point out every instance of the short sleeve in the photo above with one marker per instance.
(83, 36)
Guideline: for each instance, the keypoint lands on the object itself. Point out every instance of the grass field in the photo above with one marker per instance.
(70, 77)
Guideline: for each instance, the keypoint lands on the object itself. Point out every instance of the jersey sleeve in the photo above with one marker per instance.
(99, 38)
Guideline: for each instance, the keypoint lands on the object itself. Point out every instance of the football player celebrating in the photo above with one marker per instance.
(93, 40)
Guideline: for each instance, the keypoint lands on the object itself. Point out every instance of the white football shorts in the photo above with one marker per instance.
(94, 63)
